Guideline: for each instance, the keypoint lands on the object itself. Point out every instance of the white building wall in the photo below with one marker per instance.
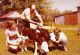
(59, 20)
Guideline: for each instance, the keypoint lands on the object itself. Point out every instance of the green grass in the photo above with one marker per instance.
(73, 45)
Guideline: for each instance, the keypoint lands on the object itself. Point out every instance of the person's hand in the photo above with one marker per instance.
(57, 42)
(25, 38)
(40, 24)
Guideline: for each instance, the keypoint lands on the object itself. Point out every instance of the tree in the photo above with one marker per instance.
(67, 11)
(43, 6)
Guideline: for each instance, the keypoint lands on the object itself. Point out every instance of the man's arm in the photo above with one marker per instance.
(58, 41)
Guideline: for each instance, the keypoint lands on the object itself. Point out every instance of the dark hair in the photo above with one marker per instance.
(9, 23)
(56, 30)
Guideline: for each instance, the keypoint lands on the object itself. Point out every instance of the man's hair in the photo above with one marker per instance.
(34, 7)
(56, 30)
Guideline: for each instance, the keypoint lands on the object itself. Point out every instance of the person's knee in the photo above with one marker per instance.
(54, 43)
(19, 40)
(13, 47)
(63, 43)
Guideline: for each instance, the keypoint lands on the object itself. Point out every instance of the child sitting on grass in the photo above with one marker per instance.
(13, 39)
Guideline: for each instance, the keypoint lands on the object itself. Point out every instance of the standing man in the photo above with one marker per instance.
(35, 21)
(32, 16)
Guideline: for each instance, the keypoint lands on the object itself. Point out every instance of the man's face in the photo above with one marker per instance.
(33, 7)
(56, 34)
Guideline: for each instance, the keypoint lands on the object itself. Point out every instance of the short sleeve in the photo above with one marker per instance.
(6, 33)
(37, 14)
(63, 36)
(52, 37)
(26, 13)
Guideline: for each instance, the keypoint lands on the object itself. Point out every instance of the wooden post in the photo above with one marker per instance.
(79, 32)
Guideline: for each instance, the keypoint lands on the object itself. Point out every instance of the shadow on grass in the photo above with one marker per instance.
(19, 50)
(56, 47)
(14, 51)
(52, 48)
(31, 49)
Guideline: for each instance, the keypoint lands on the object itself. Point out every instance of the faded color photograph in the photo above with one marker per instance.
(39, 27)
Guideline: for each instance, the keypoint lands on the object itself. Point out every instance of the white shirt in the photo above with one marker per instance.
(62, 37)
(26, 14)
(10, 33)
(52, 37)
(44, 46)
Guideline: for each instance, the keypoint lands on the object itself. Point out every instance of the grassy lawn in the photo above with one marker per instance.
(73, 45)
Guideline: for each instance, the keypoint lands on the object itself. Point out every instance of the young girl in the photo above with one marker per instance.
(13, 39)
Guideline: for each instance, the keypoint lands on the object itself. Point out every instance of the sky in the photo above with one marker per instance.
(66, 5)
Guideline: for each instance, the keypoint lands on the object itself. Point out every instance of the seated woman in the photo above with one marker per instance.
(58, 37)
(13, 39)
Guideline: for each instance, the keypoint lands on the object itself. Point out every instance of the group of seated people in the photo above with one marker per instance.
(14, 39)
